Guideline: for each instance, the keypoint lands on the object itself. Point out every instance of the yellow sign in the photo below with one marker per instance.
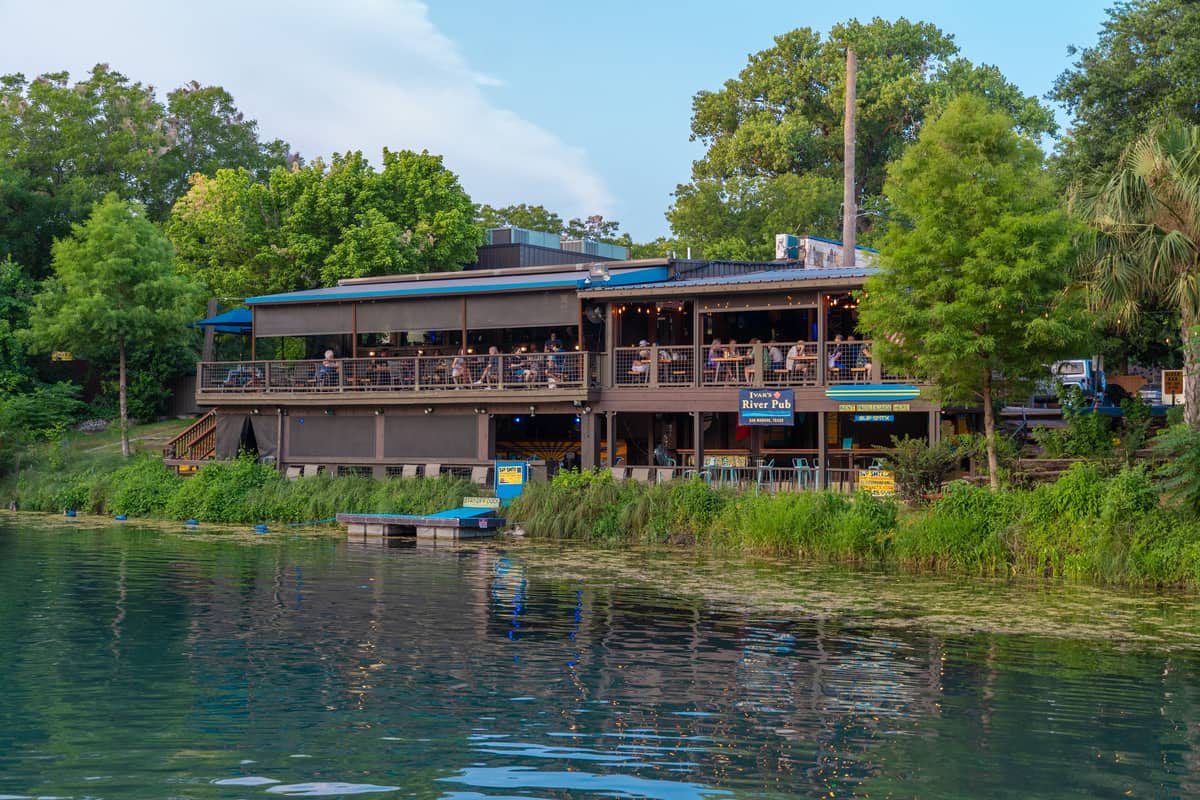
(62, 355)
(1172, 381)
(878, 482)
(510, 475)
(855, 407)
(481, 502)
(727, 461)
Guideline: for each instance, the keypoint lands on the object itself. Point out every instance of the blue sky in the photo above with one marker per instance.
(583, 108)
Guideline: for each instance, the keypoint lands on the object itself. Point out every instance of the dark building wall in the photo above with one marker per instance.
(325, 437)
(445, 436)
(497, 256)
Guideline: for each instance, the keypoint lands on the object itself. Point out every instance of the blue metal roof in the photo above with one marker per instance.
(766, 276)
(573, 279)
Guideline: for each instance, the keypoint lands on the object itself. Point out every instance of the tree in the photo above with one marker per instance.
(114, 282)
(1145, 220)
(205, 132)
(316, 224)
(1144, 68)
(973, 290)
(782, 118)
(64, 146)
(598, 229)
(533, 218)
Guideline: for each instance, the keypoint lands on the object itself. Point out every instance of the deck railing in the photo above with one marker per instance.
(798, 364)
(401, 374)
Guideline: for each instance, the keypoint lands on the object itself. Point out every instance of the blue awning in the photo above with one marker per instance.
(234, 321)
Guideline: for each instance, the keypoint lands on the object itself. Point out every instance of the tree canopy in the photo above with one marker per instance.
(973, 292)
(114, 282)
(774, 134)
(313, 225)
(1146, 247)
(1145, 68)
(64, 146)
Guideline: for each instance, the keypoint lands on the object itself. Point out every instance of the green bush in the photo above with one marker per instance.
(967, 529)
(921, 469)
(143, 488)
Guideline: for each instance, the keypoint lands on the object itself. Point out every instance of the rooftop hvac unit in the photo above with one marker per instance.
(601, 249)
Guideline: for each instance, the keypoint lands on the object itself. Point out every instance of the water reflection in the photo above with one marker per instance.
(140, 665)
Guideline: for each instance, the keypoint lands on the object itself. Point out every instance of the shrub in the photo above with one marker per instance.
(143, 487)
(1179, 446)
(920, 468)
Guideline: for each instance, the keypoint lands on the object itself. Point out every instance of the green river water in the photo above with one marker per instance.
(151, 662)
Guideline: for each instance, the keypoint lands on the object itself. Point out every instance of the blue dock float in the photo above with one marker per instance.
(455, 523)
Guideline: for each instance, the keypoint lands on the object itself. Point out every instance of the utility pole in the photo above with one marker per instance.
(849, 202)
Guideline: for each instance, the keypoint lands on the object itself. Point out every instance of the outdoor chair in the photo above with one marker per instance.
(620, 473)
(479, 475)
(433, 470)
(765, 470)
(640, 474)
(293, 473)
(311, 469)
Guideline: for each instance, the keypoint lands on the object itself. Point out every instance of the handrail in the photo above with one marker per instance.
(185, 444)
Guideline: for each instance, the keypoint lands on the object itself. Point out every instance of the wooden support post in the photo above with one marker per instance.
(610, 431)
(485, 437)
(209, 332)
(610, 365)
(253, 331)
(698, 438)
(354, 330)
(822, 449)
(589, 441)
(697, 344)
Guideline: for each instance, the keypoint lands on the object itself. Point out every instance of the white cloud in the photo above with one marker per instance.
(326, 76)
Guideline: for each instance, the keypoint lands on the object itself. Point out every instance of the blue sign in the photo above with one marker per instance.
(511, 477)
(766, 407)
(874, 417)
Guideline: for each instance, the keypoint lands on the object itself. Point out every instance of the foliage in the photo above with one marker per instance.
(1179, 446)
(773, 135)
(1141, 71)
(16, 295)
(1086, 434)
(316, 224)
(1145, 238)
(919, 468)
(539, 218)
(964, 530)
(114, 283)
(973, 292)
(67, 145)
(37, 415)
(532, 218)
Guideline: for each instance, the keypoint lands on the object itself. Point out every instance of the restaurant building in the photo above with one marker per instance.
(581, 359)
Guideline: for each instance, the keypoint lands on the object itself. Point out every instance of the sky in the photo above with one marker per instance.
(583, 108)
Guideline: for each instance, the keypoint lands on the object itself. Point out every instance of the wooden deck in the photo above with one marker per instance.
(455, 523)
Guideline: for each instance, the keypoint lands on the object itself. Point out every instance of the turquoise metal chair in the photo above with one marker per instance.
(802, 472)
(766, 469)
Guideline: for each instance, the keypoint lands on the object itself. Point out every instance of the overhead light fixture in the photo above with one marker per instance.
(329, 412)
(428, 409)
(379, 412)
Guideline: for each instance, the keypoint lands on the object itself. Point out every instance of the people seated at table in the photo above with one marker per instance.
(327, 373)
(837, 354)
(550, 363)
(640, 368)
(459, 374)
(491, 369)
(715, 351)
(798, 365)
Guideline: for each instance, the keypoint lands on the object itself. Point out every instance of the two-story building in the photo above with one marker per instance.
(577, 359)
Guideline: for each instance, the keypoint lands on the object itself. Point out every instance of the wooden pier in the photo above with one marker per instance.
(455, 523)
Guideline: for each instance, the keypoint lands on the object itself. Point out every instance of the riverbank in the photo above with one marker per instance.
(223, 492)
(1087, 526)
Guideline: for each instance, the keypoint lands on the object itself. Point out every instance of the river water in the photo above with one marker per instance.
(150, 663)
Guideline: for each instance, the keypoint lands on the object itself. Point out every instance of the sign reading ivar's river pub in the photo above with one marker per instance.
(766, 407)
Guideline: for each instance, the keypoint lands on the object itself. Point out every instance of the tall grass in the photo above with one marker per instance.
(232, 492)
(1088, 525)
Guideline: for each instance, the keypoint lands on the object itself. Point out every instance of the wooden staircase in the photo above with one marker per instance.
(195, 446)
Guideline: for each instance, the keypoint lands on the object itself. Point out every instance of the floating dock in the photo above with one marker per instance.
(455, 523)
